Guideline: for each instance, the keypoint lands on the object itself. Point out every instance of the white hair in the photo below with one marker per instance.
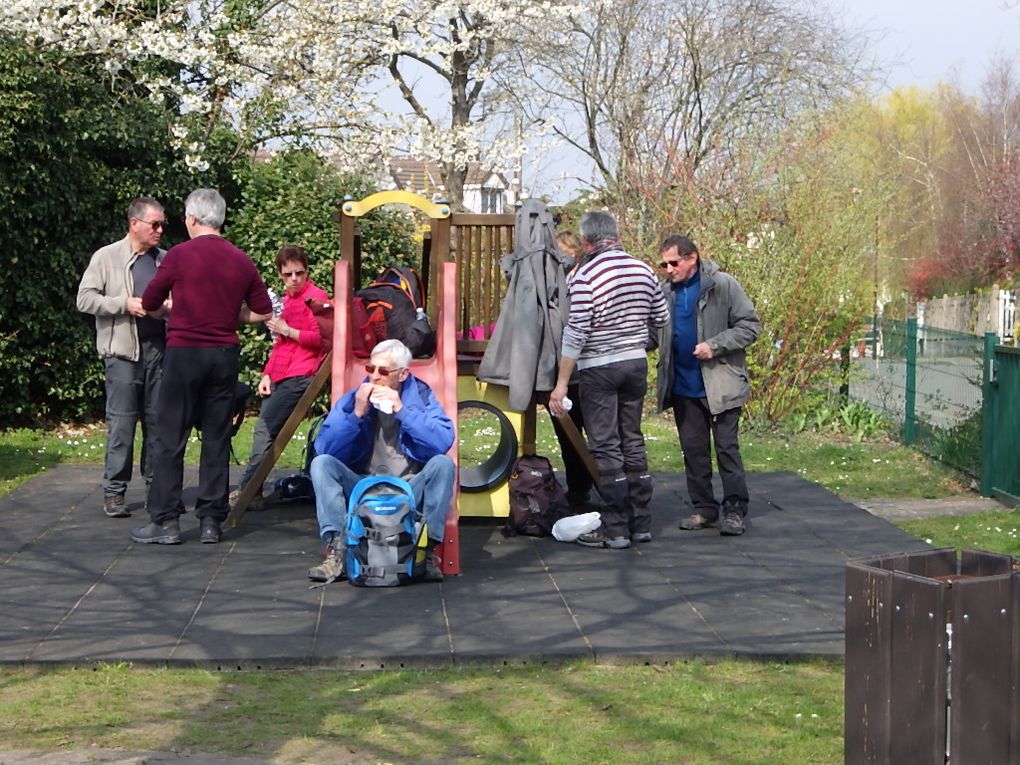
(206, 206)
(395, 351)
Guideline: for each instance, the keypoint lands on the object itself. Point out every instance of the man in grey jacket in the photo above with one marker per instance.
(702, 374)
(130, 342)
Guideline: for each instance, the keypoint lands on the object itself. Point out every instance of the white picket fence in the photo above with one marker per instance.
(991, 310)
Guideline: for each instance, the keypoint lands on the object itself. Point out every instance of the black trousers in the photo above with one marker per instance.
(698, 428)
(578, 481)
(197, 387)
(613, 399)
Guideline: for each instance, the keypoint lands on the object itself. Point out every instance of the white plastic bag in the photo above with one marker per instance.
(570, 528)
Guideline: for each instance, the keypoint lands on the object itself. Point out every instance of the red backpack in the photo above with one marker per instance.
(367, 329)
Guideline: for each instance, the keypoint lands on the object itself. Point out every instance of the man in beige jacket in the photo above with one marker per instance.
(130, 342)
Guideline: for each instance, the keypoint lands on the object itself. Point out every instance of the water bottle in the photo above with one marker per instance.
(277, 302)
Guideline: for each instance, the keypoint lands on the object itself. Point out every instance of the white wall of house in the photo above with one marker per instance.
(990, 310)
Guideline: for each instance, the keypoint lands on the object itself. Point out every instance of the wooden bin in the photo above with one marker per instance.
(933, 659)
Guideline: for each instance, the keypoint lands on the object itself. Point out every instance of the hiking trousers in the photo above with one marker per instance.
(132, 389)
(276, 408)
(698, 428)
(613, 399)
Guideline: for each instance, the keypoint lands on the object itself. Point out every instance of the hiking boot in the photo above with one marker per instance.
(732, 524)
(211, 532)
(256, 504)
(166, 533)
(696, 521)
(433, 564)
(331, 569)
(114, 506)
(641, 536)
(598, 539)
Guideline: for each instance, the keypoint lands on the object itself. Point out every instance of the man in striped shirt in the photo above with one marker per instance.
(614, 298)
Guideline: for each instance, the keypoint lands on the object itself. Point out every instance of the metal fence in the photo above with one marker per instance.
(1000, 471)
(926, 381)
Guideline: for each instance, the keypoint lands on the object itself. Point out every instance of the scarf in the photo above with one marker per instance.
(602, 245)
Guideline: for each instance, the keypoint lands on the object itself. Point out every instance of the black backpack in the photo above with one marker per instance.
(537, 500)
(299, 485)
(239, 406)
(399, 292)
(242, 392)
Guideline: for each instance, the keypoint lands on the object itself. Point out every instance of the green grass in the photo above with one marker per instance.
(873, 467)
(688, 712)
(991, 531)
(26, 452)
(851, 468)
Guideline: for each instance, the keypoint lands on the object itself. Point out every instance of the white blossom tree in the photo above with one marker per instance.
(313, 72)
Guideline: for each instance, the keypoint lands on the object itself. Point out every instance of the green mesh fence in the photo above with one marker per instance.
(927, 381)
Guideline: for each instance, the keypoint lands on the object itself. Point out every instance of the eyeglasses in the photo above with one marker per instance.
(384, 371)
(288, 274)
(675, 263)
(156, 224)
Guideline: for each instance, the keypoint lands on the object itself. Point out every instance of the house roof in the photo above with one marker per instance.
(426, 177)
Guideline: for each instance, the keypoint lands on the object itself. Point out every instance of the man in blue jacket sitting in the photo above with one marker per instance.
(391, 424)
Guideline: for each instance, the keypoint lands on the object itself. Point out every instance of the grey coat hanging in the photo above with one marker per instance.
(524, 351)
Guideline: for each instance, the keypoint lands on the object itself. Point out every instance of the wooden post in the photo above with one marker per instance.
(280, 442)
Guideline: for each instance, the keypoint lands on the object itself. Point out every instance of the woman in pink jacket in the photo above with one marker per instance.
(296, 355)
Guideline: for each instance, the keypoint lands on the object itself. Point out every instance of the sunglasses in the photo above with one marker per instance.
(156, 224)
(675, 263)
(288, 274)
(384, 371)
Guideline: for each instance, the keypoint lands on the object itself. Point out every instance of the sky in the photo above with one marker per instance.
(921, 42)
(932, 40)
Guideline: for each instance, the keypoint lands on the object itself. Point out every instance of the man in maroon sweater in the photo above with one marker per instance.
(212, 286)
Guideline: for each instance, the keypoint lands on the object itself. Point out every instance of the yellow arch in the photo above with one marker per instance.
(357, 209)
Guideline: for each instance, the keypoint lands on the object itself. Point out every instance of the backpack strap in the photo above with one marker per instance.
(379, 572)
(377, 536)
(399, 280)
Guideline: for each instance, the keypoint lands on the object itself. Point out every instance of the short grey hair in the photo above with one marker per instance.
(598, 225)
(395, 351)
(140, 205)
(207, 207)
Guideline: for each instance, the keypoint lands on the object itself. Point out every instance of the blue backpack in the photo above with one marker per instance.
(385, 543)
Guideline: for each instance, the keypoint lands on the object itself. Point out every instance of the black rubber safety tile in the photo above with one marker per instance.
(605, 590)
(23, 520)
(289, 536)
(137, 610)
(74, 588)
(257, 608)
(742, 600)
(31, 611)
(647, 616)
(526, 611)
(365, 627)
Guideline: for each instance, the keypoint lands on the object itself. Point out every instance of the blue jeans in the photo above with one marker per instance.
(334, 481)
